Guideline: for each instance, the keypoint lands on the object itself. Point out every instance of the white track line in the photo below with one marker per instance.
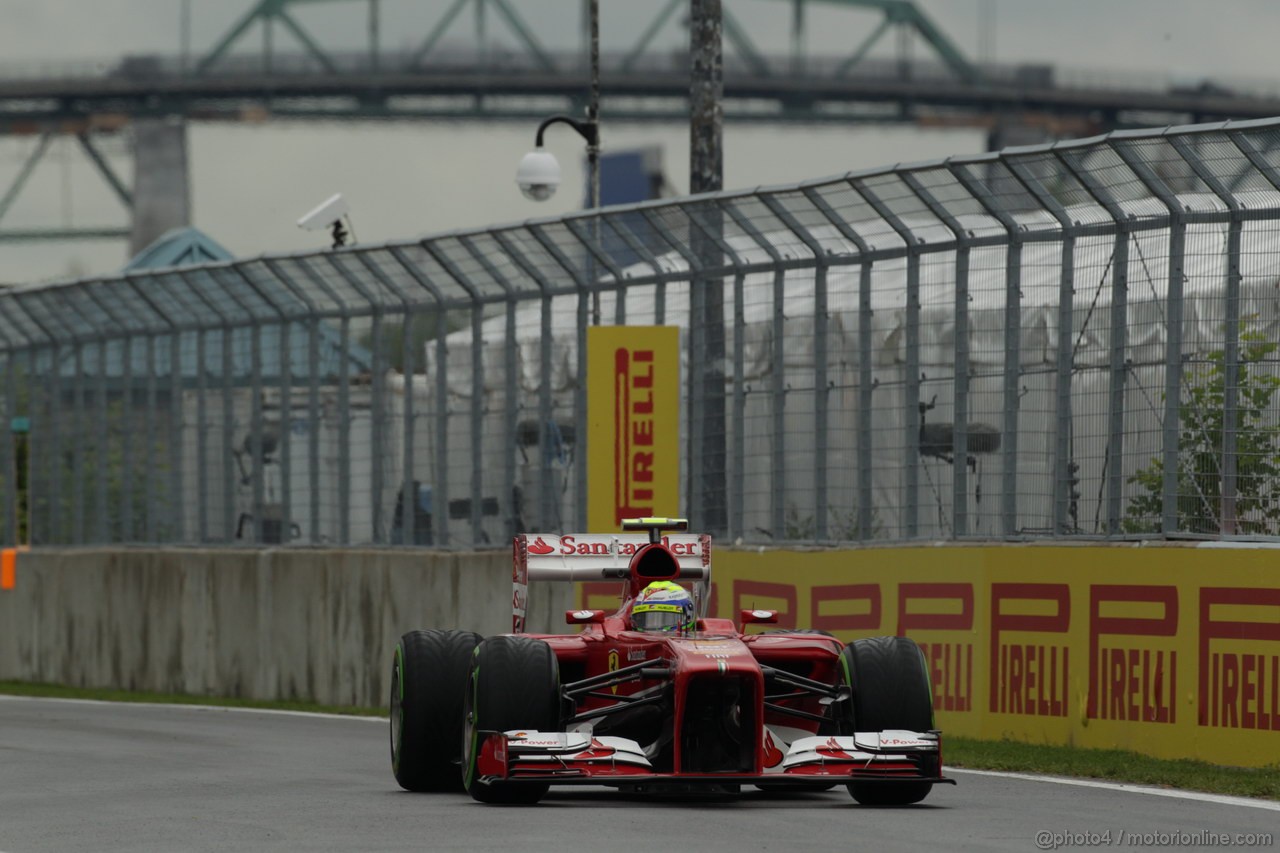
(1029, 777)
(194, 707)
(1270, 805)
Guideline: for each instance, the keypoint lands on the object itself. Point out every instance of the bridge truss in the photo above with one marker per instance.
(451, 73)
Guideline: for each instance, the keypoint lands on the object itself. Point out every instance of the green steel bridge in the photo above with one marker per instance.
(450, 74)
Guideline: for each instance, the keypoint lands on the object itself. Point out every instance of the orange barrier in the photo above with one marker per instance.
(8, 568)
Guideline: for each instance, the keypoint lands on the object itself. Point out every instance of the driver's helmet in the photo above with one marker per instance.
(663, 606)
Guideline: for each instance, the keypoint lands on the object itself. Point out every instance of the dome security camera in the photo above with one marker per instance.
(538, 174)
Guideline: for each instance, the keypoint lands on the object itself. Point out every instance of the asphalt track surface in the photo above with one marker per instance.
(102, 777)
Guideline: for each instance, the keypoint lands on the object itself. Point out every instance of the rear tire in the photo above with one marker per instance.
(890, 691)
(428, 679)
(514, 684)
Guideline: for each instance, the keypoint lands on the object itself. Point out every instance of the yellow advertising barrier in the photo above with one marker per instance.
(1169, 651)
(633, 423)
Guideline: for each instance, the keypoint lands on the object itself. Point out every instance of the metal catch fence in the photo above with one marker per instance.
(1072, 340)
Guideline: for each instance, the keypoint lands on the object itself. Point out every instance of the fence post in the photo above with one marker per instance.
(257, 439)
(67, 307)
(546, 493)
(694, 416)
(1231, 346)
(1012, 345)
(313, 404)
(1173, 342)
(510, 390)
(174, 504)
(821, 388)
(728, 504)
(408, 495)
(960, 426)
(1065, 498)
(1118, 368)
(911, 356)
(374, 309)
(584, 287)
(342, 311)
(228, 473)
(477, 388)
(623, 230)
(7, 447)
(202, 449)
(866, 382)
(778, 461)
(77, 449)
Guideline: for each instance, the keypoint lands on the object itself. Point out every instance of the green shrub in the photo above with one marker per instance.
(1200, 438)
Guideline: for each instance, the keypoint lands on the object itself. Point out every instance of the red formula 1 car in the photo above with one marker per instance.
(663, 705)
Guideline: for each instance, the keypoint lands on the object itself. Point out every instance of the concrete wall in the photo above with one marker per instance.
(272, 624)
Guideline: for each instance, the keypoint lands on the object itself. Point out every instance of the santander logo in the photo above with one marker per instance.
(539, 547)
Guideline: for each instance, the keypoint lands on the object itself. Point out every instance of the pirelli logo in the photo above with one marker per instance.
(633, 455)
(633, 400)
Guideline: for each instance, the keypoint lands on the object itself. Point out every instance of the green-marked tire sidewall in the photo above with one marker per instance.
(471, 737)
(397, 739)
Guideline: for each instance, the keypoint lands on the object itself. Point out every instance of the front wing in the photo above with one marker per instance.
(572, 758)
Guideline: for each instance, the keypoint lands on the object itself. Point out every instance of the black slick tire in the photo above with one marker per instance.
(428, 681)
(514, 684)
(890, 691)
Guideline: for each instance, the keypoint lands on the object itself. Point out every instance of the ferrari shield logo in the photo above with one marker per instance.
(615, 663)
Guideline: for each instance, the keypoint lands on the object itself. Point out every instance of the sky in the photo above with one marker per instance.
(251, 182)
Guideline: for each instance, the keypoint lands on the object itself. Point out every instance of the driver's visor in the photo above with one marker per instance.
(658, 617)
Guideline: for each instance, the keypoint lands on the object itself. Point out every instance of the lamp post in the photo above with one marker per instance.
(707, 482)
(538, 174)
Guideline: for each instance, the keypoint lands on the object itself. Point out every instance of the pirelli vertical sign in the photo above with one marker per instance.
(633, 424)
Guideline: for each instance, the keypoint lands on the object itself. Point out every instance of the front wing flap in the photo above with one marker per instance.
(578, 758)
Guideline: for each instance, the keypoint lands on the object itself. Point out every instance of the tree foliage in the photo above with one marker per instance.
(1200, 450)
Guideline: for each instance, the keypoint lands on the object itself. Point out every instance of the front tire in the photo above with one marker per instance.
(891, 690)
(428, 679)
(514, 684)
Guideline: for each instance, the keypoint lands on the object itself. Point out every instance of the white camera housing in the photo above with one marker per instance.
(326, 214)
(538, 174)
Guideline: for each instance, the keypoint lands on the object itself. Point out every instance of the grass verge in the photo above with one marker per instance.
(1112, 765)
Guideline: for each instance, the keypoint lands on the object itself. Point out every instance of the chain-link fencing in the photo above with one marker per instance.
(1073, 340)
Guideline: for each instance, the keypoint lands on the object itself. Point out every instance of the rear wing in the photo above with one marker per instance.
(599, 556)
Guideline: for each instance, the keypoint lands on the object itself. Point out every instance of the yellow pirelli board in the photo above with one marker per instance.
(633, 424)
(1171, 651)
